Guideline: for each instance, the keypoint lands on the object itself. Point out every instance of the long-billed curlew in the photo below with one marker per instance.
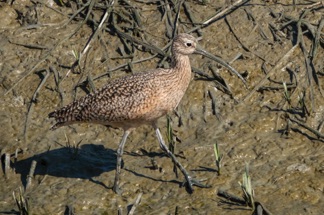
(138, 99)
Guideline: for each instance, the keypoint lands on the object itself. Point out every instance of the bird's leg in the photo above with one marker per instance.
(189, 180)
(119, 160)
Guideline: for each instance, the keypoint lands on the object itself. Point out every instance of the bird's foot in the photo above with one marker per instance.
(116, 189)
(189, 182)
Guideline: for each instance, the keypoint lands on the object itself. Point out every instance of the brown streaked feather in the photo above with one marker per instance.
(135, 99)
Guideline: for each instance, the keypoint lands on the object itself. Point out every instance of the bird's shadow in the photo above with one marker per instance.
(85, 162)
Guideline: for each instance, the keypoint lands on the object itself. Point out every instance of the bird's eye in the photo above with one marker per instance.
(188, 44)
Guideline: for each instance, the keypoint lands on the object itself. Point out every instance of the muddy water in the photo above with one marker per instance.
(286, 167)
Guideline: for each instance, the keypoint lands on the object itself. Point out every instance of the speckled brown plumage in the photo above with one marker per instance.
(135, 99)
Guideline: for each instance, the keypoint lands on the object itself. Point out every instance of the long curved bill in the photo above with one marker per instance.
(220, 61)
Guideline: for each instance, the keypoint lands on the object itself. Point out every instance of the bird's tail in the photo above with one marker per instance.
(63, 116)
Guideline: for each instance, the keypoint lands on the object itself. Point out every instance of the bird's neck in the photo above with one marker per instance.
(181, 69)
(180, 61)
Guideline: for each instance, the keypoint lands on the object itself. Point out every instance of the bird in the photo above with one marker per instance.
(138, 99)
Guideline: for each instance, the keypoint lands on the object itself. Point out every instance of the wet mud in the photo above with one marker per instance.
(277, 132)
